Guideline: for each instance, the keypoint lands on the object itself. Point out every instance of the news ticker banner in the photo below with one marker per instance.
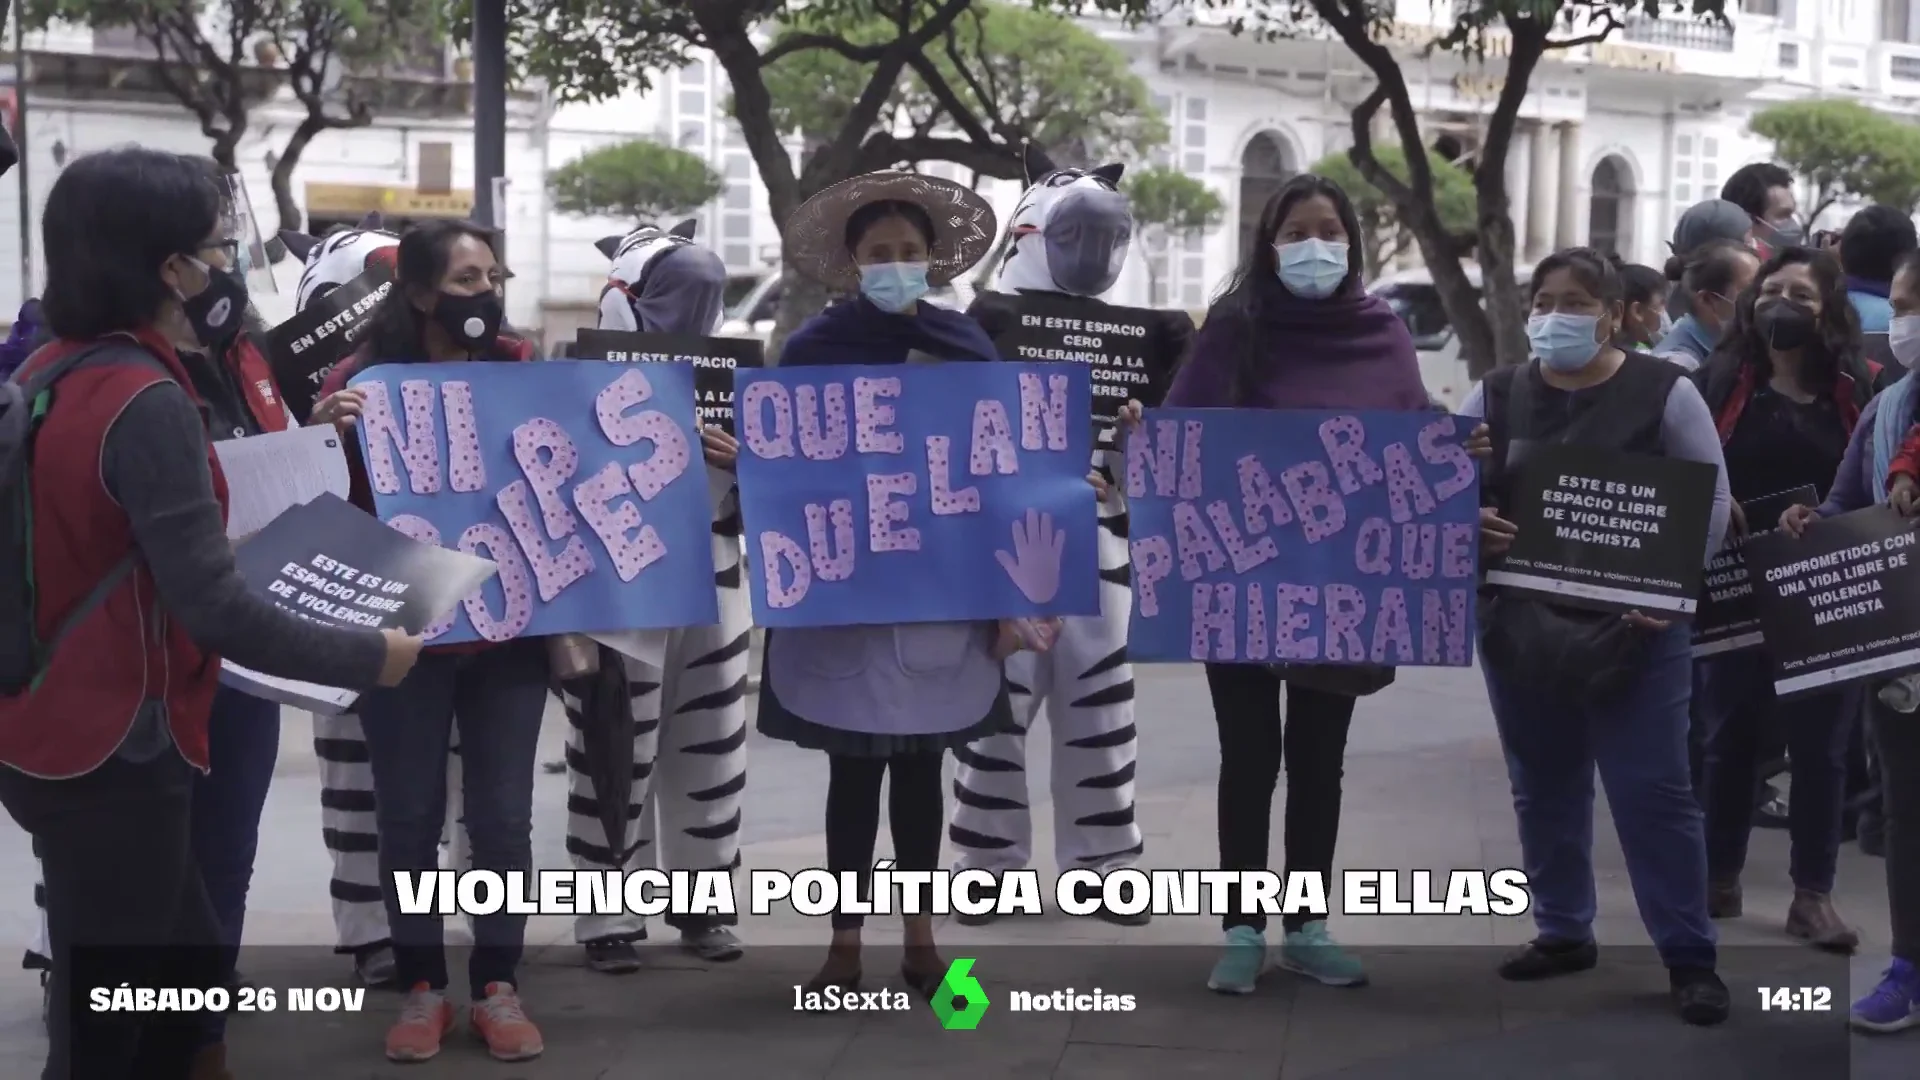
(917, 493)
(1303, 537)
(583, 482)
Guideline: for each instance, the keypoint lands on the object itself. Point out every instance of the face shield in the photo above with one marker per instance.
(250, 250)
(1087, 234)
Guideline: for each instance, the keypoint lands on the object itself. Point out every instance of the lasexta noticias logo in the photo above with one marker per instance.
(961, 1001)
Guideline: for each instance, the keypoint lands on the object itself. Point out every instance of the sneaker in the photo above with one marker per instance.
(716, 944)
(1894, 1005)
(1241, 964)
(500, 1022)
(1311, 952)
(425, 1018)
(612, 956)
(1545, 957)
(1699, 995)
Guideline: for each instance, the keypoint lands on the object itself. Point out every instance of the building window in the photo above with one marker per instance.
(693, 103)
(693, 137)
(737, 227)
(1610, 210)
(1194, 162)
(739, 167)
(1196, 243)
(1789, 54)
(1196, 136)
(1193, 295)
(1197, 109)
(1905, 68)
(738, 255)
(731, 135)
(739, 197)
(1898, 21)
(694, 73)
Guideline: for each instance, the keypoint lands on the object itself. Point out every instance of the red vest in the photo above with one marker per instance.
(129, 651)
(269, 409)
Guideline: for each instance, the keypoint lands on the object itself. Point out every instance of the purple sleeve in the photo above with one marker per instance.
(1204, 382)
(1852, 488)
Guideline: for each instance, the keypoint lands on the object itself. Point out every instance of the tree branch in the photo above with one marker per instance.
(846, 145)
(883, 150)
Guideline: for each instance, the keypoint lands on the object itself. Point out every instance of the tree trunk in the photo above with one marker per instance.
(291, 219)
(225, 143)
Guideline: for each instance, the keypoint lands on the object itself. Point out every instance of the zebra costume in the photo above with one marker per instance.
(690, 716)
(1071, 233)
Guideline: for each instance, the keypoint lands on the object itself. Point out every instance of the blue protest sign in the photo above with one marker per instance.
(920, 493)
(507, 461)
(1303, 537)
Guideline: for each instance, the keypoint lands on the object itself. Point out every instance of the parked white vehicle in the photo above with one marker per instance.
(753, 316)
(1412, 296)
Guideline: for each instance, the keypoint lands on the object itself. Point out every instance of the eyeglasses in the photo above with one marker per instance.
(228, 247)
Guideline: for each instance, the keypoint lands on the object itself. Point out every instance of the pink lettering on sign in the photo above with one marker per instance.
(767, 442)
(1256, 622)
(1417, 546)
(822, 440)
(827, 564)
(940, 480)
(1244, 557)
(1195, 543)
(1153, 449)
(418, 448)
(1043, 412)
(549, 459)
(1392, 627)
(871, 418)
(1443, 625)
(1373, 547)
(1346, 609)
(516, 584)
(1456, 550)
(1190, 486)
(1407, 493)
(992, 446)
(1259, 498)
(422, 531)
(1345, 440)
(551, 573)
(1438, 448)
(1319, 507)
(1289, 623)
(1213, 620)
(883, 512)
(671, 454)
(1152, 562)
(777, 550)
(465, 470)
(614, 523)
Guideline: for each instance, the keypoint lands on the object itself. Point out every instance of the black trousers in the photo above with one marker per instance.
(1897, 743)
(125, 904)
(915, 810)
(1254, 743)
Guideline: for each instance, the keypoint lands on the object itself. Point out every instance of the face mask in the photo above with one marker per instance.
(1564, 342)
(1784, 324)
(214, 312)
(1312, 269)
(473, 322)
(1903, 337)
(893, 287)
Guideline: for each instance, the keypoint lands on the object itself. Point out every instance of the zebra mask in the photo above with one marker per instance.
(1071, 230)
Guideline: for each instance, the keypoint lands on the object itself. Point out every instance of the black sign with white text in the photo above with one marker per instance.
(1118, 344)
(713, 358)
(1841, 602)
(1607, 530)
(302, 350)
(1727, 619)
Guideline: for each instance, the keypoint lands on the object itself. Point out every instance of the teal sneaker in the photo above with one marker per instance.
(1242, 964)
(1309, 951)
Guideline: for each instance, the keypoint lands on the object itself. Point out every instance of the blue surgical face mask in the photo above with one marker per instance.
(1564, 342)
(893, 286)
(1312, 269)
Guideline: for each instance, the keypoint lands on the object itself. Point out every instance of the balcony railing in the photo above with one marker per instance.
(1678, 33)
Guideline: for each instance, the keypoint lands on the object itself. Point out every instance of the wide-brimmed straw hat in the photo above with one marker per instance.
(963, 226)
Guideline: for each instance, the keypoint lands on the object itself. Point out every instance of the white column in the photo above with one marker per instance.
(1542, 213)
(1572, 225)
(1519, 198)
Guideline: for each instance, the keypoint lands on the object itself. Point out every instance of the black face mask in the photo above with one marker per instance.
(473, 322)
(216, 311)
(1784, 324)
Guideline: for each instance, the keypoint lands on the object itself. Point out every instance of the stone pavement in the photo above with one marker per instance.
(1425, 788)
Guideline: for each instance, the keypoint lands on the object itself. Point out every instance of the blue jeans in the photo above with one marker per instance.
(243, 744)
(1818, 729)
(497, 696)
(1553, 741)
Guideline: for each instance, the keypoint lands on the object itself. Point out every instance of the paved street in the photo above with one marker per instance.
(1425, 788)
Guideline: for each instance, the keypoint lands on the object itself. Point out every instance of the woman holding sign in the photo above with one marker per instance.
(888, 237)
(445, 308)
(1788, 386)
(1572, 689)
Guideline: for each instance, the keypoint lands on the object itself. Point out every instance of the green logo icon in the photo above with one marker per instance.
(961, 1001)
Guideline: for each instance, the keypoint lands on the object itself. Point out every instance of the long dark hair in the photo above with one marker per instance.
(398, 331)
(1256, 281)
(1833, 349)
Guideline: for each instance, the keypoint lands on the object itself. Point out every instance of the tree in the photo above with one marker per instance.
(205, 53)
(637, 180)
(1521, 32)
(1846, 150)
(322, 42)
(1168, 205)
(975, 108)
(1386, 236)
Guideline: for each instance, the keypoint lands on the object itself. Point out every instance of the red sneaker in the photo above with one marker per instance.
(425, 1018)
(499, 1020)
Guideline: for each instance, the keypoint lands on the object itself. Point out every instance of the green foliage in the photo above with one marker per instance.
(636, 181)
(1170, 201)
(1022, 74)
(1386, 235)
(1846, 150)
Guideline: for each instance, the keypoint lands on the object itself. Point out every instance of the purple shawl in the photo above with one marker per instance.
(21, 342)
(1349, 351)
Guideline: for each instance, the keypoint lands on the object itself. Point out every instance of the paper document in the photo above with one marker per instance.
(267, 475)
(321, 700)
